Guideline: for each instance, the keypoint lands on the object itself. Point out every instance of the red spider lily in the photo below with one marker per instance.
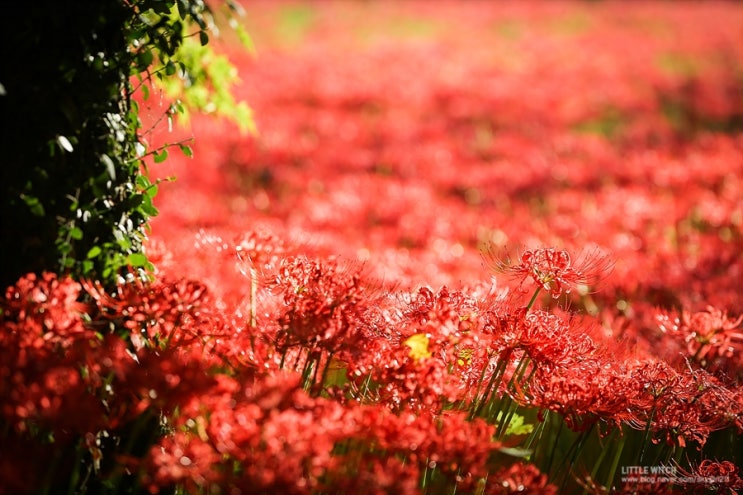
(281, 438)
(554, 270)
(42, 344)
(259, 249)
(162, 313)
(284, 440)
(552, 340)
(709, 476)
(323, 305)
(519, 478)
(423, 356)
(709, 335)
(578, 393)
(633, 488)
(72, 383)
(373, 475)
(47, 309)
(406, 381)
(681, 407)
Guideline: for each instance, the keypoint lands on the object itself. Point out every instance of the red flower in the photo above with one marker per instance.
(579, 392)
(520, 478)
(324, 305)
(160, 313)
(554, 270)
(681, 407)
(722, 477)
(708, 335)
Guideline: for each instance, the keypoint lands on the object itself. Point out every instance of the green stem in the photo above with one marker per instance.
(600, 460)
(645, 438)
(573, 453)
(365, 388)
(555, 442)
(615, 461)
(477, 390)
(497, 373)
(310, 366)
(506, 413)
(509, 410)
(536, 433)
(324, 374)
(533, 298)
(75, 475)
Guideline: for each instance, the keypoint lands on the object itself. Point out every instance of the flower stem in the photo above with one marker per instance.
(497, 374)
(533, 298)
(645, 438)
(617, 456)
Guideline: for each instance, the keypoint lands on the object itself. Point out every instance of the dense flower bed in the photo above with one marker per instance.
(475, 248)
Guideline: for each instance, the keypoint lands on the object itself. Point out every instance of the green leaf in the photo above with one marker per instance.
(34, 205)
(515, 451)
(143, 182)
(516, 425)
(134, 201)
(245, 38)
(87, 266)
(76, 233)
(144, 59)
(203, 38)
(146, 207)
(94, 252)
(161, 157)
(64, 247)
(137, 259)
(149, 210)
(187, 151)
(151, 191)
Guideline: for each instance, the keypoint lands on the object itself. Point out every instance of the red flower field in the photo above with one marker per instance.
(474, 247)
